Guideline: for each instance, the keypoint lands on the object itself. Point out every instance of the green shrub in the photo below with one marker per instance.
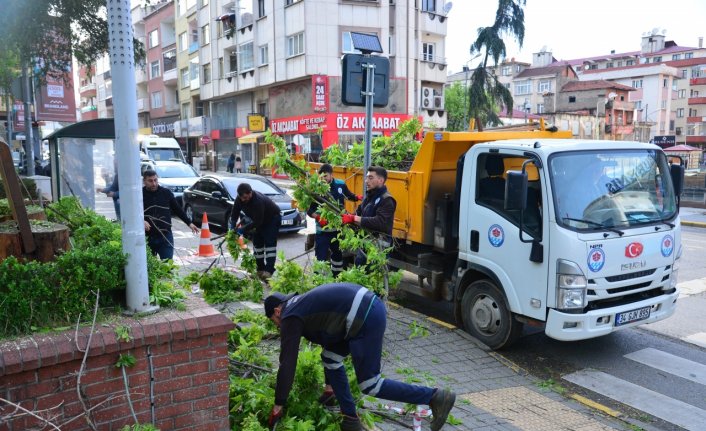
(28, 189)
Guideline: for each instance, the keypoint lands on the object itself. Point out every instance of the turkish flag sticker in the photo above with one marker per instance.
(634, 249)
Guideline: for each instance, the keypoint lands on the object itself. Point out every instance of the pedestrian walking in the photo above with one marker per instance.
(325, 240)
(345, 319)
(231, 163)
(238, 165)
(159, 203)
(377, 211)
(265, 221)
(113, 191)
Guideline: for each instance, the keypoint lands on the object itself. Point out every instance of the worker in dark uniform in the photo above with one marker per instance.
(345, 319)
(266, 220)
(159, 204)
(377, 212)
(326, 239)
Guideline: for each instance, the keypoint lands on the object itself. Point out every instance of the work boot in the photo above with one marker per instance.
(328, 399)
(351, 423)
(441, 403)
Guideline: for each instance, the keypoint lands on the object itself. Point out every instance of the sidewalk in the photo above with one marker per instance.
(695, 217)
(492, 394)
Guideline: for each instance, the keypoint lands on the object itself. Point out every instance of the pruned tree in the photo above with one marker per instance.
(485, 92)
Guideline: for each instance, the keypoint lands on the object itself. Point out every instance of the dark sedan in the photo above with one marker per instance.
(214, 195)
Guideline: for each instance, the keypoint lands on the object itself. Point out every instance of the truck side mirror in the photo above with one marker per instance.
(677, 174)
(516, 190)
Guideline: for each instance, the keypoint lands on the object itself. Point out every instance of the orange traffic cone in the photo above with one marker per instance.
(205, 247)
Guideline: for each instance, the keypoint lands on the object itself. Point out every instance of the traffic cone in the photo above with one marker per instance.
(205, 247)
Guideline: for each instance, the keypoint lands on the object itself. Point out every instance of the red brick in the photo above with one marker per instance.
(97, 344)
(30, 353)
(192, 343)
(160, 349)
(163, 399)
(166, 424)
(190, 368)
(47, 351)
(219, 363)
(214, 324)
(172, 410)
(94, 375)
(172, 385)
(162, 374)
(192, 421)
(215, 426)
(210, 377)
(20, 379)
(164, 331)
(221, 387)
(193, 393)
(138, 379)
(51, 400)
(191, 326)
(66, 349)
(208, 353)
(110, 341)
(110, 414)
(58, 370)
(12, 359)
(73, 409)
(106, 387)
(42, 388)
(209, 403)
(178, 328)
(170, 359)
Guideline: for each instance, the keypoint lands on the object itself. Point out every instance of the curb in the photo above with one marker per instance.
(693, 223)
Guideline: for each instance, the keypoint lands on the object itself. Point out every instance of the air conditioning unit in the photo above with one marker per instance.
(439, 102)
(427, 101)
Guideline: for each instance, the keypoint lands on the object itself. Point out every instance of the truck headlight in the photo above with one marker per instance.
(571, 286)
(674, 277)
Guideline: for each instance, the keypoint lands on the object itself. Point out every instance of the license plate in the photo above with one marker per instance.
(632, 316)
(287, 222)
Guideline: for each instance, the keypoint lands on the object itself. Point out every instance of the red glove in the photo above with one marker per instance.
(322, 221)
(275, 416)
(347, 218)
(359, 197)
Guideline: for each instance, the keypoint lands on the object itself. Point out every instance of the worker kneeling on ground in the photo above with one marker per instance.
(344, 318)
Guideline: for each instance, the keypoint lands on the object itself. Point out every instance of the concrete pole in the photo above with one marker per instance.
(10, 118)
(369, 97)
(122, 66)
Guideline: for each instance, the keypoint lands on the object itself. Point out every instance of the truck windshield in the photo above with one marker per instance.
(614, 189)
(161, 154)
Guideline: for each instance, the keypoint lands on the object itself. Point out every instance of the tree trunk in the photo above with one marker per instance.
(49, 241)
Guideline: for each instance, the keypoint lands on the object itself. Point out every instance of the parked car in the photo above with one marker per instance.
(215, 195)
(176, 176)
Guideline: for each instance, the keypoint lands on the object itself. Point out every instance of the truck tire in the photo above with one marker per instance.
(487, 317)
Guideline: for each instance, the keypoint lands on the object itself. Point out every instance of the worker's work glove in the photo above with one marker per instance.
(275, 416)
(347, 218)
(322, 221)
(359, 197)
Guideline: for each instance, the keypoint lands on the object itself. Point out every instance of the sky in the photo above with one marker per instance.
(576, 29)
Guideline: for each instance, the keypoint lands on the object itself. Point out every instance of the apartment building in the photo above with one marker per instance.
(280, 60)
(531, 86)
(690, 102)
(88, 109)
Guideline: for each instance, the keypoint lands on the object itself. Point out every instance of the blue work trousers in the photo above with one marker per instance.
(326, 241)
(162, 244)
(264, 242)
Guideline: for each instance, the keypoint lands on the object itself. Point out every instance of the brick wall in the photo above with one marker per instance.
(188, 374)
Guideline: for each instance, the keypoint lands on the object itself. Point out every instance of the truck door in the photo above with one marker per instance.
(498, 247)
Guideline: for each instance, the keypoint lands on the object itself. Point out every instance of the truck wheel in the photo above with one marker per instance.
(486, 315)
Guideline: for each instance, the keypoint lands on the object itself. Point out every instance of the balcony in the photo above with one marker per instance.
(88, 88)
(432, 69)
(193, 47)
(697, 101)
(88, 108)
(140, 76)
(691, 120)
(431, 22)
(623, 106)
(697, 81)
(142, 105)
(696, 139)
(170, 77)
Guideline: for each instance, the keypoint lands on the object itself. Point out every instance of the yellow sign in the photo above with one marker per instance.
(256, 123)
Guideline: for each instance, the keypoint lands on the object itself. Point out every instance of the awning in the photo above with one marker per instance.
(250, 138)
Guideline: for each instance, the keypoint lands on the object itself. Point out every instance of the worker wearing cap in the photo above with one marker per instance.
(345, 319)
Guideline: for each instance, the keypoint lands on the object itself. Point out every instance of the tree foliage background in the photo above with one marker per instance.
(486, 92)
(53, 31)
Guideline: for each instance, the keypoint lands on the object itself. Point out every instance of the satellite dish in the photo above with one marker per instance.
(447, 8)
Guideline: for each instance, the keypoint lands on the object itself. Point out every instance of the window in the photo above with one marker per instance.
(638, 104)
(681, 94)
(156, 100)
(169, 59)
(184, 77)
(221, 71)
(101, 92)
(205, 35)
(181, 7)
(676, 56)
(663, 104)
(684, 73)
(154, 38)
(429, 5)
(232, 63)
(246, 58)
(506, 71)
(689, 55)
(609, 65)
(540, 108)
(637, 83)
(698, 72)
(523, 87)
(428, 51)
(288, 2)
(206, 73)
(593, 67)
(664, 83)
(630, 62)
(185, 111)
(544, 86)
(295, 44)
(620, 63)
(518, 68)
(657, 59)
(183, 42)
(264, 55)
(260, 8)
(678, 131)
(694, 93)
(572, 99)
(154, 69)
(692, 112)
(347, 44)
(204, 3)
(194, 73)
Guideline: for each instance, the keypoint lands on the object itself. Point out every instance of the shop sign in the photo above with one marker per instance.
(205, 140)
(356, 122)
(256, 123)
(342, 122)
(163, 126)
(309, 124)
(18, 123)
(319, 90)
(55, 101)
(665, 141)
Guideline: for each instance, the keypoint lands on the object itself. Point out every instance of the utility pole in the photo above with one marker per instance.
(122, 66)
(29, 138)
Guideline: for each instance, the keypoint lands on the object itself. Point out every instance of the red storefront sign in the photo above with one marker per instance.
(55, 101)
(18, 121)
(340, 122)
(319, 90)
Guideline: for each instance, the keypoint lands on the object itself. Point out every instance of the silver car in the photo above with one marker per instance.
(176, 176)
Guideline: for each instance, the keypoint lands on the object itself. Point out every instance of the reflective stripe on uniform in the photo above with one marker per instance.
(354, 308)
(332, 361)
(372, 385)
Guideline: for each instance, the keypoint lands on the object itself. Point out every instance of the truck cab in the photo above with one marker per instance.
(153, 147)
(580, 237)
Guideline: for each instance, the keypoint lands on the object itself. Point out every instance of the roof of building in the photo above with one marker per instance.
(670, 47)
(552, 69)
(594, 85)
(682, 148)
(635, 66)
(517, 113)
(686, 62)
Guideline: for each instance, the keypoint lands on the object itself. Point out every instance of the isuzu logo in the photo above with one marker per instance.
(634, 249)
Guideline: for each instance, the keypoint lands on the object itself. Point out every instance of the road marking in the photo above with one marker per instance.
(651, 402)
(671, 364)
(594, 405)
(531, 411)
(441, 323)
(699, 339)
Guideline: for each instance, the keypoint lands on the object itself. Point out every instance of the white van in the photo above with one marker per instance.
(155, 148)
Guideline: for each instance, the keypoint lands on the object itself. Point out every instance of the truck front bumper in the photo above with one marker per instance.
(595, 323)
